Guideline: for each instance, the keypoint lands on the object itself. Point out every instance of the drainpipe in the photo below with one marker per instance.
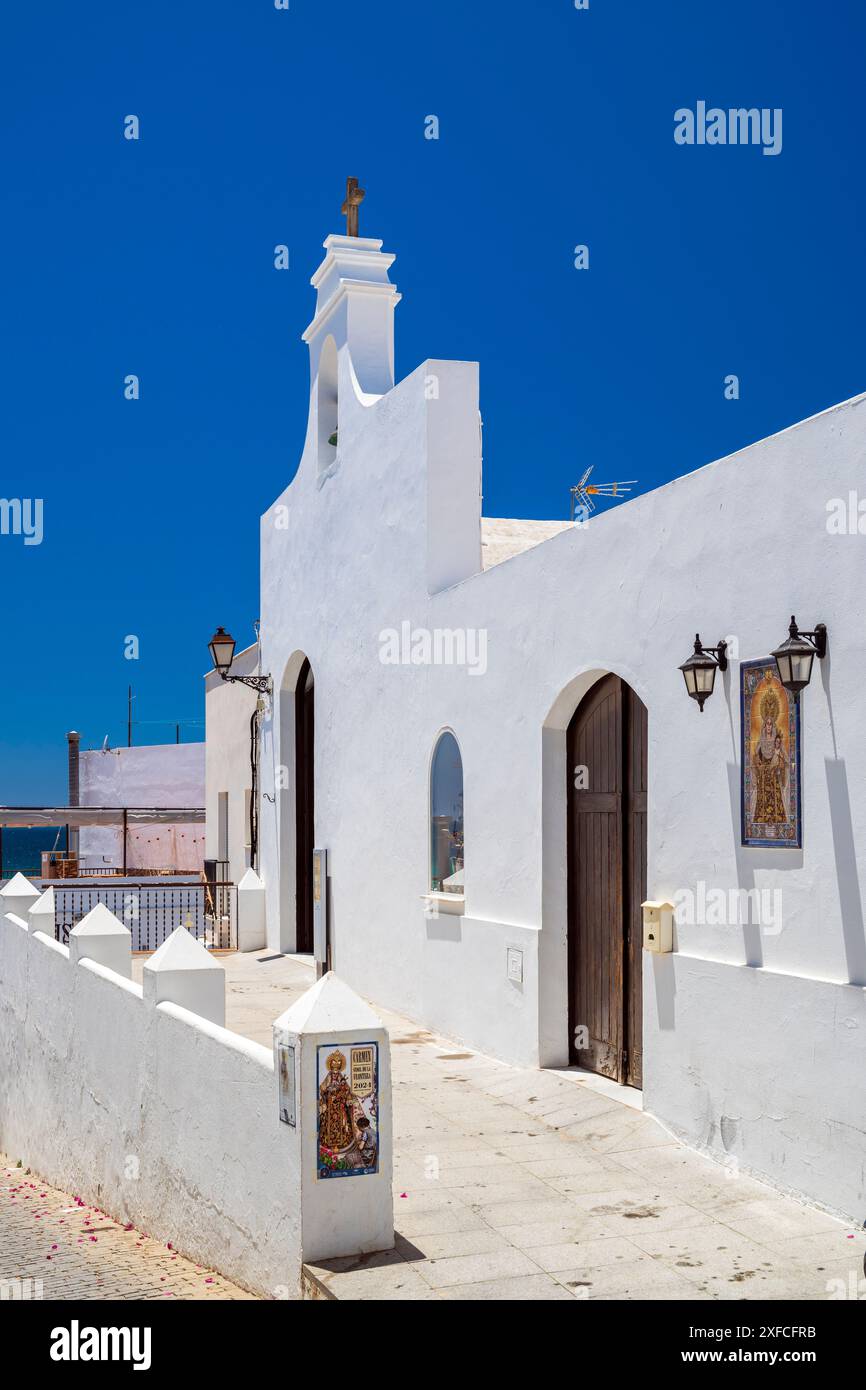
(74, 740)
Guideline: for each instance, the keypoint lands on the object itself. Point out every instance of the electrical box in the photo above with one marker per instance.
(658, 925)
(514, 964)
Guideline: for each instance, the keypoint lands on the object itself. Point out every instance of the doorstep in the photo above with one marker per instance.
(591, 1081)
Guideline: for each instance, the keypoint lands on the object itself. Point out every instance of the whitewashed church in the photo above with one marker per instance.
(485, 724)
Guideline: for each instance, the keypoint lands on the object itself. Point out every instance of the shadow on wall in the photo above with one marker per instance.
(748, 860)
(665, 991)
(850, 901)
(844, 851)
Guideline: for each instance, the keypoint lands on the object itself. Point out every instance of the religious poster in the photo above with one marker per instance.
(348, 1075)
(771, 809)
(286, 1082)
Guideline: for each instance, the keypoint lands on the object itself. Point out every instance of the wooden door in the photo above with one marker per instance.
(304, 808)
(607, 762)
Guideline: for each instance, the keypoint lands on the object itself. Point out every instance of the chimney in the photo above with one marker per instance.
(73, 739)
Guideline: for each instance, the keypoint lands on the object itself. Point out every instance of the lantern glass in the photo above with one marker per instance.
(795, 657)
(783, 661)
(222, 649)
(705, 677)
(801, 667)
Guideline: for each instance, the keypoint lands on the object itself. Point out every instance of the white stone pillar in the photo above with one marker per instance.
(333, 1075)
(41, 915)
(102, 937)
(18, 897)
(183, 972)
(251, 912)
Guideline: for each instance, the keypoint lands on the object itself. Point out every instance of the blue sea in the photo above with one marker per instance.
(22, 849)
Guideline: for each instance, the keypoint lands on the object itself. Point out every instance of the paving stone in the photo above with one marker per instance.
(606, 1250)
(529, 1287)
(99, 1260)
(477, 1269)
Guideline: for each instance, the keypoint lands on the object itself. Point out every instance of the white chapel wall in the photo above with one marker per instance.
(731, 550)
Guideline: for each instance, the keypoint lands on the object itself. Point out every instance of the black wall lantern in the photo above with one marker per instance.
(699, 672)
(794, 658)
(222, 650)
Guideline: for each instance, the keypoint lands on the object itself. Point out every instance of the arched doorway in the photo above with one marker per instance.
(304, 807)
(607, 871)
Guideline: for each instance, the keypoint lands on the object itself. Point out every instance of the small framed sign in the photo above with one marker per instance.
(286, 1082)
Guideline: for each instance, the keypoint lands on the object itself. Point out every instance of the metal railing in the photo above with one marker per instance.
(152, 912)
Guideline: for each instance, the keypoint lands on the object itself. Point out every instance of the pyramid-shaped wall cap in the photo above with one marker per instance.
(250, 880)
(20, 887)
(181, 951)
(329, 1006)
(44, 905)
(100, 921)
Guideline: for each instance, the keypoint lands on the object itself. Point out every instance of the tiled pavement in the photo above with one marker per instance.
(519, 1184)
(59, 1248)
(509, 1184)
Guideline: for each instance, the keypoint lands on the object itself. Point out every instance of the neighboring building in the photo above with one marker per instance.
(163, 775)
(505, 763)
(229, 711)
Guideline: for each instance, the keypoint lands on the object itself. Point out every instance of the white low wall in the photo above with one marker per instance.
(763, 1069)
(152, 1114)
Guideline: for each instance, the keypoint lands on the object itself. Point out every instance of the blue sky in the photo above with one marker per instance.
(155, 257)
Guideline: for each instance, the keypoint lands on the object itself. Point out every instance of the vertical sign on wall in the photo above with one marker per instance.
(286, 1082)
(320, 910)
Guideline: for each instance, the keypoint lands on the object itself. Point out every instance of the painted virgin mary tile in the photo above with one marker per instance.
(771, 808)
(348, 1076)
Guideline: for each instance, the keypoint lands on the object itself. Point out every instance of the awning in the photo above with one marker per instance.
(31, 817)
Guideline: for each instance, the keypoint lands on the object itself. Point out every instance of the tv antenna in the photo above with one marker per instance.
(583, 493)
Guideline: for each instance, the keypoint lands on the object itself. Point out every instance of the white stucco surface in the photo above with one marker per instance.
(163, 774)
(229, 707)
(149, 1112)
(386, 529)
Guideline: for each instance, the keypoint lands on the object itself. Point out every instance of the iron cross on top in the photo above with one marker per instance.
(354, 198)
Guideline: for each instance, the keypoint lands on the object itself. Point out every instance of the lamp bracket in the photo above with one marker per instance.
(818, 638)
(720, 653)
(263, 684)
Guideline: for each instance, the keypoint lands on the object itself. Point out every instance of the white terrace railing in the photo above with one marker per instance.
(153, 911)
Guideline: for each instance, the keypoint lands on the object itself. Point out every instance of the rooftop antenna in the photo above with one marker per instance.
(583, 493)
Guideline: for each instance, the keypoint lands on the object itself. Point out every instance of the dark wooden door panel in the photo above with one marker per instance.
(595, 878)
(304, 808)
(635, 874)
(607, 794)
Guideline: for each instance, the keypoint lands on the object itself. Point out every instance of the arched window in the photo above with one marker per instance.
(328, 408)
(446, 816)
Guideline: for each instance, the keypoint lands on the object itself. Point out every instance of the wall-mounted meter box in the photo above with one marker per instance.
(658, 925)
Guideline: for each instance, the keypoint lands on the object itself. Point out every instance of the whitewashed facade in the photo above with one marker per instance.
(754, 1038)
(153, 775)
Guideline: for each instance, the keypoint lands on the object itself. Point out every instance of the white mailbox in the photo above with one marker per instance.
(658, 925)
